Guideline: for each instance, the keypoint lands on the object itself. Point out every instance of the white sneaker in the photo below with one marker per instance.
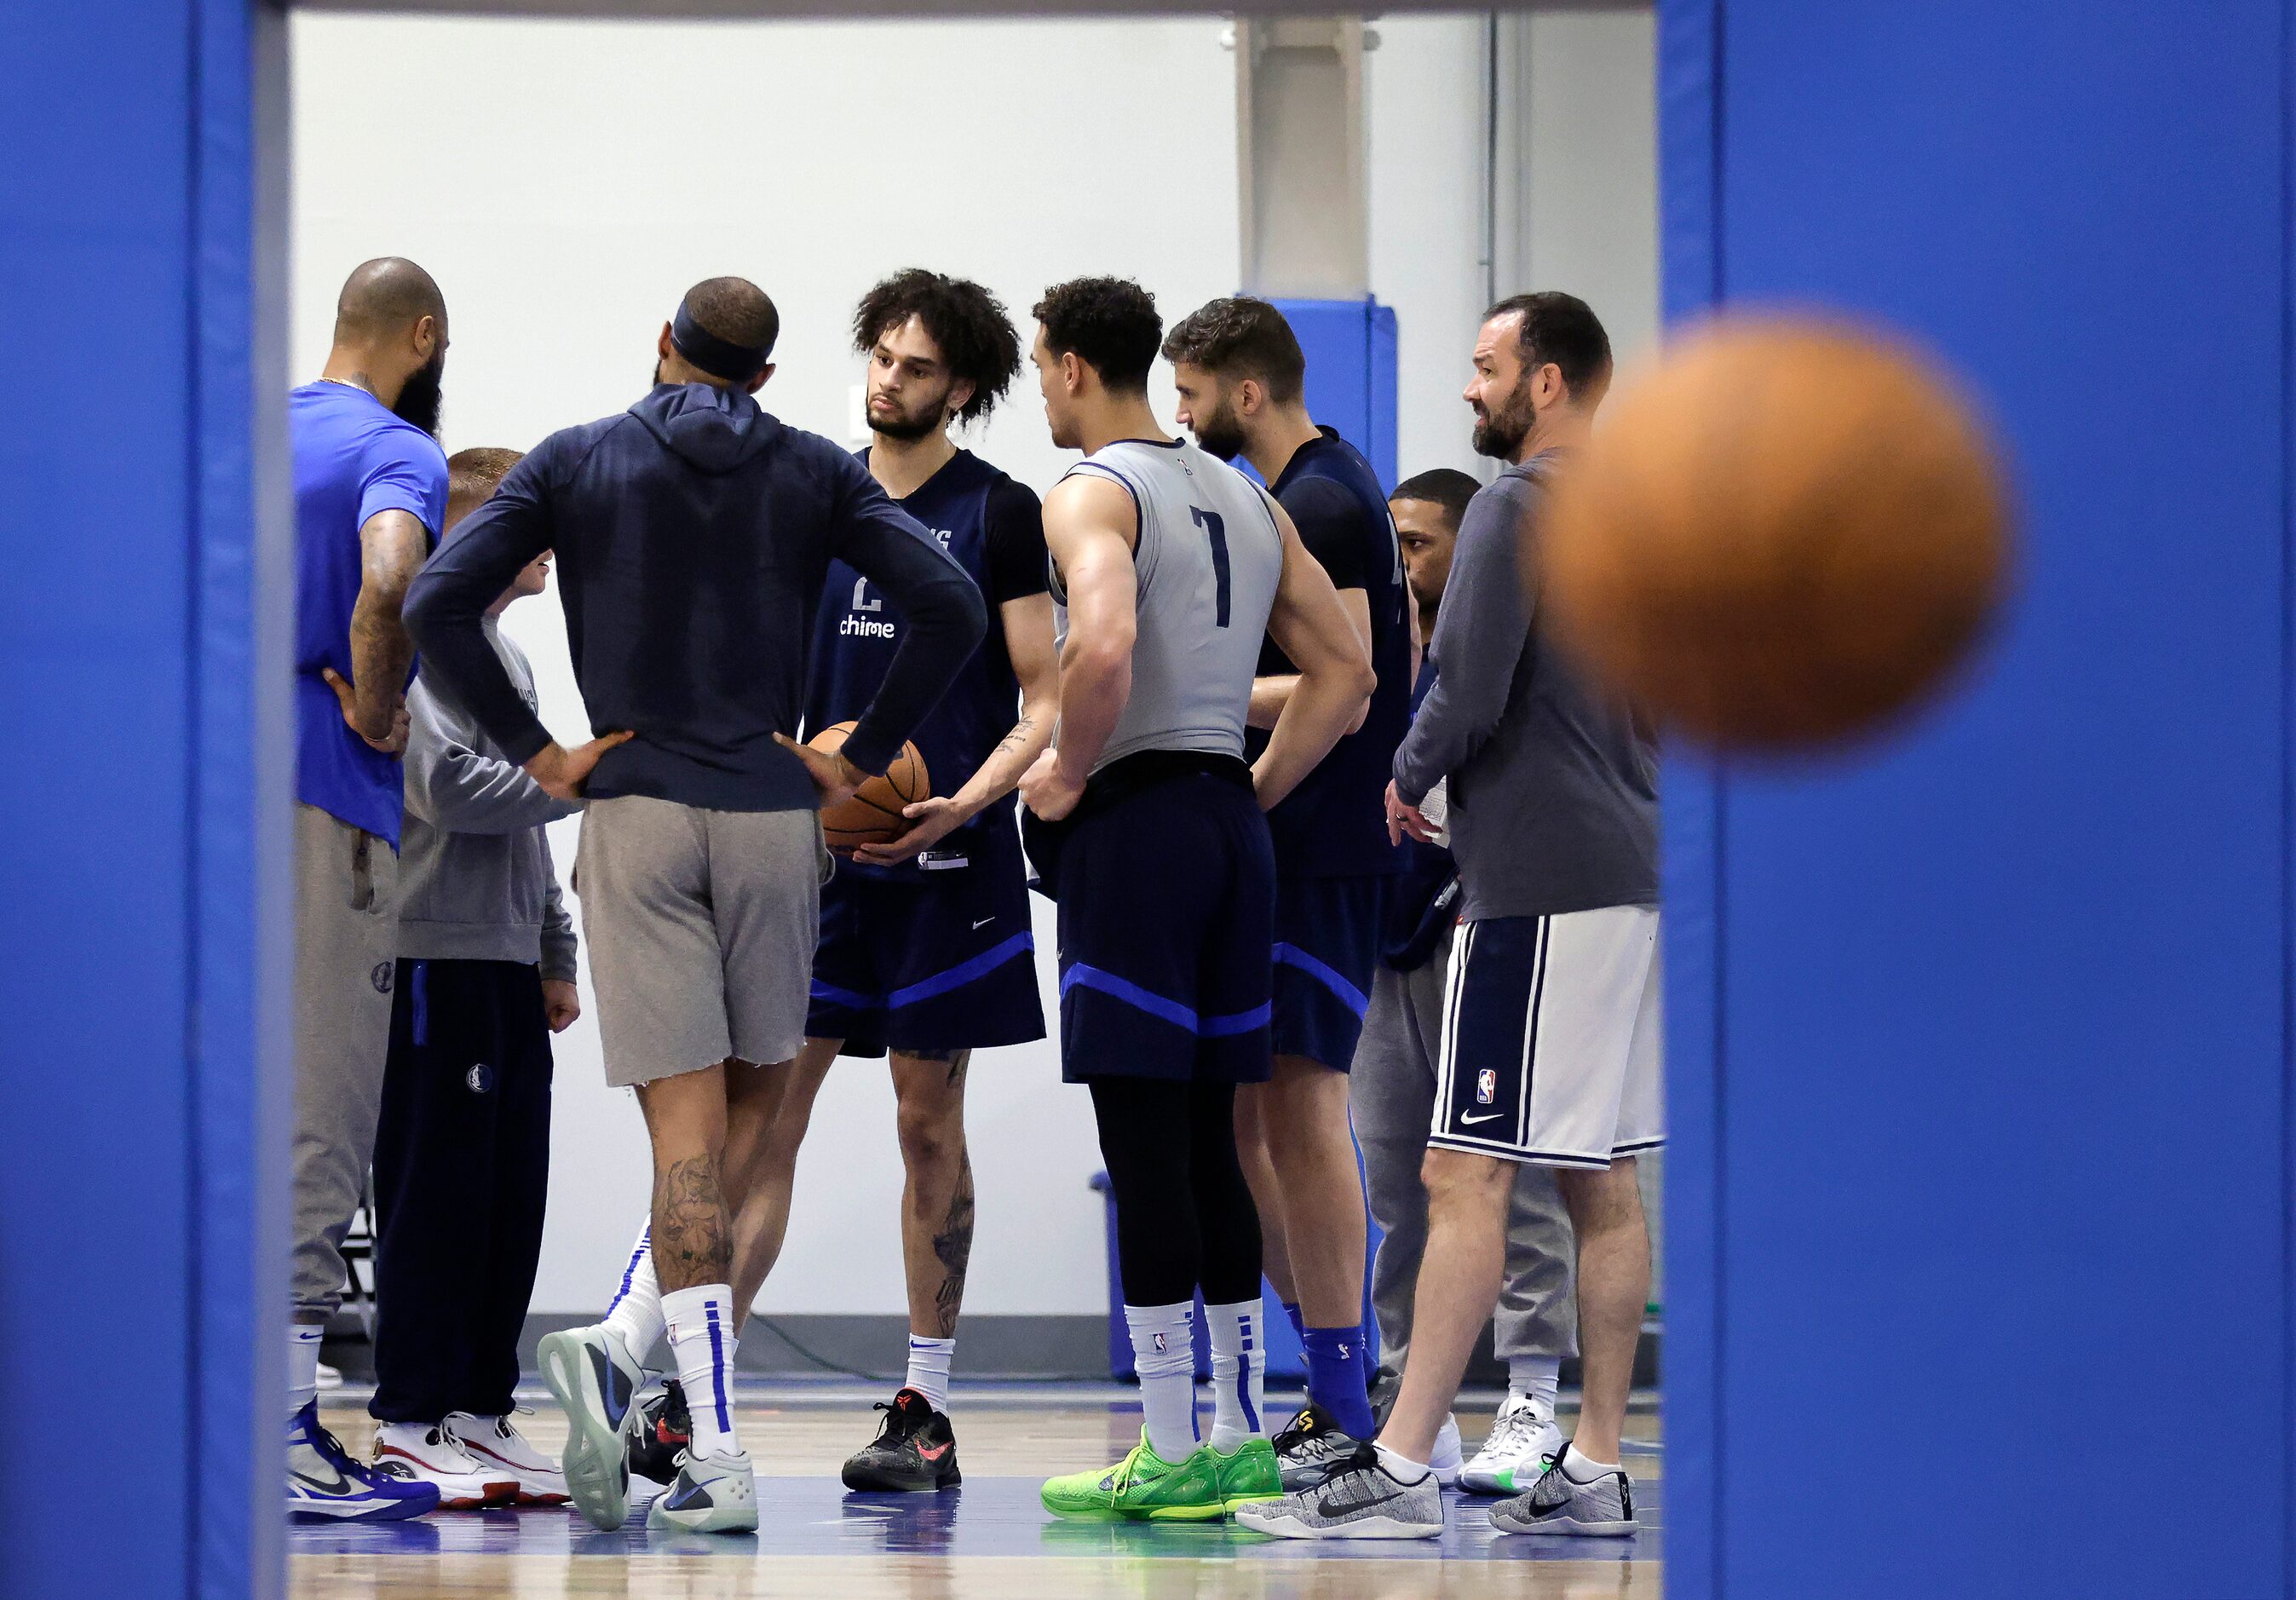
(495, 1443)
(596, 1381)
(1524, 1442)
(713, 1494)
(330, 1377)
(1446, 1465)
(428, 1453)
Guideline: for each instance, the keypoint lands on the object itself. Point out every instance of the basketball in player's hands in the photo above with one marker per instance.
(1785, 534)
(871, 813)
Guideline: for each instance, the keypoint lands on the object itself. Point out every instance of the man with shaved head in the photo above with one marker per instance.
(694, 533)
(370, 500)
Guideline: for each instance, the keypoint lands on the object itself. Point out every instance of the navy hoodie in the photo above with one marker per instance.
(693, 532)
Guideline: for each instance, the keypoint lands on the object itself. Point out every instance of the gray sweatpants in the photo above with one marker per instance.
(345, 939)
(1393, 1095)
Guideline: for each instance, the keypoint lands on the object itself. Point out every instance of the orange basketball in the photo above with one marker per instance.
(871, 813)
(1785, 534)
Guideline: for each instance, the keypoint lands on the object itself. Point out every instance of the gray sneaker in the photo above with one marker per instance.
(1359, 1499)
(1557, 1503)
(712, 1493)
(596, 1384)
(1309, 1446)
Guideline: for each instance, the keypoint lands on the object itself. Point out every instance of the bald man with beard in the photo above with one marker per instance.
(370, 500)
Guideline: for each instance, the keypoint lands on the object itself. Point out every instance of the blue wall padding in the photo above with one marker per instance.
(129, 1261)
(1351, 383)
(1979, 1049)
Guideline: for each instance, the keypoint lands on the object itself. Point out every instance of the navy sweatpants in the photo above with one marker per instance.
(462, 1173)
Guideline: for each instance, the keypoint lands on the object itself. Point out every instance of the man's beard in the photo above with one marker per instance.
(1219, 434)
(909, 427)
(1500, 433)
(419, 400)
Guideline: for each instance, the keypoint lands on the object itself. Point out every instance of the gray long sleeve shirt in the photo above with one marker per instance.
(1554, 792)
(475, 878)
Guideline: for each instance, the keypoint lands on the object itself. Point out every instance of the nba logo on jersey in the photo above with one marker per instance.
(1487, 1087)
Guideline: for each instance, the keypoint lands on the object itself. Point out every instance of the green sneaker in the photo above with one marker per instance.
(1143, 1485)
(1249, 1474)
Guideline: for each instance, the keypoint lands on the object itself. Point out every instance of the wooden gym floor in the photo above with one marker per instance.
(989, 1538)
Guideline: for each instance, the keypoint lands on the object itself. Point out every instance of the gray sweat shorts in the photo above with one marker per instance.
(700, 926)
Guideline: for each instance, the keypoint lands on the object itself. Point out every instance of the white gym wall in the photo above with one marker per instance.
(566, 181)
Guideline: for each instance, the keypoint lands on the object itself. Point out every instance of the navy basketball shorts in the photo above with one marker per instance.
(1551, 1050)
(1166, 916)
(938, 963)
(1327, 942)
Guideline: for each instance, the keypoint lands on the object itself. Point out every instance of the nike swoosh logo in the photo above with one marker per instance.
(984, 922)
(1490, 1117)
(1336, 1512)
(935, 1453)
(340, 1486)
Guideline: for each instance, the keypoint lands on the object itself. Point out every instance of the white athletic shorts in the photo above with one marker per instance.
(1551, 1047)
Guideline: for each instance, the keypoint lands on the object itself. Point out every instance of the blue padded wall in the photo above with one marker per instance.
(1981, 1255)
(130, 1267)
(1351, 350)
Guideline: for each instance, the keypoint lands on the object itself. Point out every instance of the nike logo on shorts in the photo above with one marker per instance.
(1486, 1117)
(984, 922)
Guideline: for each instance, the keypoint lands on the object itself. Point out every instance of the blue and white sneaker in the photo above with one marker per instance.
(711, 1494)
(324, 1481)
(596, 1383)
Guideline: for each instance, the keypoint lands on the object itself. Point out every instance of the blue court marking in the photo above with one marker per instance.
(1080, 974)
(1350, 995)
(964, 973)
(991, 1517)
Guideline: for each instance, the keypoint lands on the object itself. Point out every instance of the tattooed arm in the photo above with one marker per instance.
(1028, 624)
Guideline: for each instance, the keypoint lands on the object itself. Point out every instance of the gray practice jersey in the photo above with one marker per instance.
(1209, 560)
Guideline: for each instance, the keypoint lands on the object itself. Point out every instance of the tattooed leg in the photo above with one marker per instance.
(685, 1116)
(937, 1206)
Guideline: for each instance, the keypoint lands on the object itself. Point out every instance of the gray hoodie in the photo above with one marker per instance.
(475, 880)
(1554, 789)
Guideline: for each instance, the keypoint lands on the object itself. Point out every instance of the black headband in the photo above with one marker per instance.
(736, 364)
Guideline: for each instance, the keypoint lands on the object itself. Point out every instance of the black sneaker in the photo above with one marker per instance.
(1386, 1384)
(915, 1450)
(1309, 1447)
(664, 1428)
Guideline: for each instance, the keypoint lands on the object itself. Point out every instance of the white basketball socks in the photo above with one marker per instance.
(701, 1341)
(635, 1315)
(928, 1360)
(1239, 1373)
(1164, 1354)
(302, 1364)
(1535, 1378)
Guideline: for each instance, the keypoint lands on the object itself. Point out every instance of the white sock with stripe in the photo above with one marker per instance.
(1239, 1373)
(302, 1364)
(928, 1360)
(635, 1315)
(701, 1339)
(1164, 1354)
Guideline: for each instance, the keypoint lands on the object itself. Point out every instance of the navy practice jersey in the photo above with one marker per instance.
(995, 528)
(1334, 824)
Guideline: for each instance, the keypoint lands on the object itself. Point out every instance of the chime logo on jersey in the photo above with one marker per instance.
(1487, 1087)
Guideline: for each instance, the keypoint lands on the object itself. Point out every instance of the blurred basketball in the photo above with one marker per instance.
(1786, 533)
(871, 813)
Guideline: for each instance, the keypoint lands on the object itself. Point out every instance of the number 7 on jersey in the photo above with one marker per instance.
(1213, 523)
